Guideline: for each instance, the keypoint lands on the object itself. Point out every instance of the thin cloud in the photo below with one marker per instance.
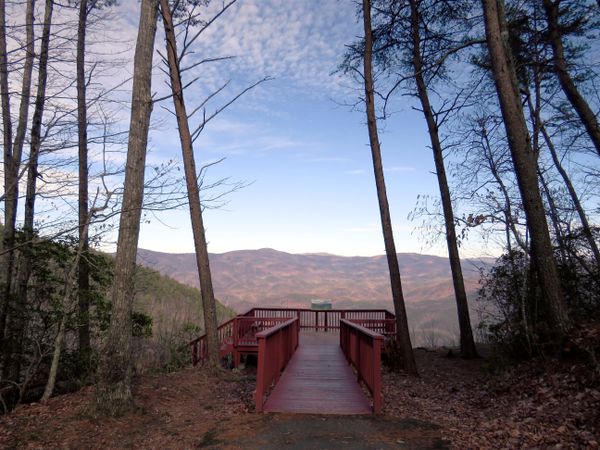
(400, 169)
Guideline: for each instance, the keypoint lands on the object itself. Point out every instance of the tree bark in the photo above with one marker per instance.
(524, 162)
(191, 176)
(9, 232)
(467, 343)
(403, 335)
(12, 158)
(17, 323)
(113, 391)
(580, 105)
(83, 270)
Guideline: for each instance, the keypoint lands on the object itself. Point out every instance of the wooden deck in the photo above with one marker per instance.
(318, 379)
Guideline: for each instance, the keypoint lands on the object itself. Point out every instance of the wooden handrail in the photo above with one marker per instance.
(362, 348)
(276, 346)
(230, 332)
(322, 319)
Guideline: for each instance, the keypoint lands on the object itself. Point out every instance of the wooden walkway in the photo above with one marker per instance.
(318, 379)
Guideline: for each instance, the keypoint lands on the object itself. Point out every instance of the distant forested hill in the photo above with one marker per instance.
(266, 277)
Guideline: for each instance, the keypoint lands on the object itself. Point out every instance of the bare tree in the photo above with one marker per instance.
(524, 160)
(174, 60)
(185, 137)
(403, 335)
(83, 271)
(113, 391)
(12, 153)
(17, 322)
(467, 343)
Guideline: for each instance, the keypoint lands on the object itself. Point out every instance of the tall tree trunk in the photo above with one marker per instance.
(403, 335)
(12, 158)
(524, 161)
(191, 176)
(8, 234)
(83, 270)
(467, 343)
(113, 391)
(17, 323)
(583, 110)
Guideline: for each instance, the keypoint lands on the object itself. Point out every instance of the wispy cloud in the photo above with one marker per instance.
(356, 172)
(399, 169)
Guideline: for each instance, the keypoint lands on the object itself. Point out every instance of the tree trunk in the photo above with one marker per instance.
(66, 307)
(17, 320)
(403, 335)
(191, 176)
(113, 391)
(585, 225)
(467, 343)
(9, 232)
(583, 110)
(58, 341)
(84, 270)
(524, 161)
(12, 158)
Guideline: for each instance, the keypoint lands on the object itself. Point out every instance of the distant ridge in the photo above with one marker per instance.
(266, 277)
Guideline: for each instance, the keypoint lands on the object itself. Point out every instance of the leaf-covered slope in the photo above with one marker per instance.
(170, 303)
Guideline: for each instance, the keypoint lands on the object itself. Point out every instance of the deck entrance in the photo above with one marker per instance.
(309, 361)
(318, 379)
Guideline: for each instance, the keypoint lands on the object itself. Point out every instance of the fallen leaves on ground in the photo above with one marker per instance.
(533, 405)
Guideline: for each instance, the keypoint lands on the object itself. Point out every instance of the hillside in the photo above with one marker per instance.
(170, 303)
(266, 277)
(177, 317)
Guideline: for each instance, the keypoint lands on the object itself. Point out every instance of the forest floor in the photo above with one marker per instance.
(453, 404)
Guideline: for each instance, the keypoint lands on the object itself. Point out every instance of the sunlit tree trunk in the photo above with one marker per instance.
(403, 335)
(113, 391)
(524, 161)
(191, 176)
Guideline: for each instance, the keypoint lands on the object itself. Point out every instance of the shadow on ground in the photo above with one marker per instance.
(320, 432)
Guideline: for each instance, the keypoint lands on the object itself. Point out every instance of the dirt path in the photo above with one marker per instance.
(321, 432)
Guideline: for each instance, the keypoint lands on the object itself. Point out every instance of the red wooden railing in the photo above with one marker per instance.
(328, 319)
(237, 334)
(362, 348)
(199, 348)
(275, 349)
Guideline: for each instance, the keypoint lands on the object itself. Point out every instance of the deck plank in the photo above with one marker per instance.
(318, 379)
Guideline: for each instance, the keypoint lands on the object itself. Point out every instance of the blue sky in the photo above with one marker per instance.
(305, 155)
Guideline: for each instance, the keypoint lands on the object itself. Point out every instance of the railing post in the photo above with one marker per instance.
(261, 372)
(235, 337)
(377, 399)
(326, 316)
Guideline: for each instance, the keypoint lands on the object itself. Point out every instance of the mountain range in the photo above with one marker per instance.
(266, 277)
